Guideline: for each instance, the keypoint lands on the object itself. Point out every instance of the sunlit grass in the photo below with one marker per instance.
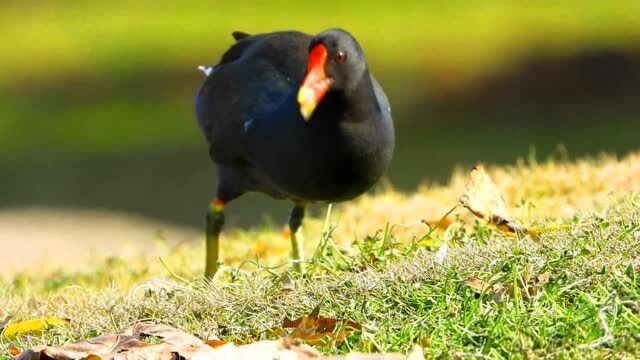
(548, 191)
(589, 307)
(380, 276)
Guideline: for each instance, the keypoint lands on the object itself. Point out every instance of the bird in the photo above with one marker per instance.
(294, 116)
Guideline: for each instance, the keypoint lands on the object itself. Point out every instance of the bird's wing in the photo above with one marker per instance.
(383, 101)
(253, 76)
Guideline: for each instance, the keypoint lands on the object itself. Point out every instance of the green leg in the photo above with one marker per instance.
(215, 221)
(295, 228)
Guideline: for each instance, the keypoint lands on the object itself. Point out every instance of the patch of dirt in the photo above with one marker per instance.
(43, 239)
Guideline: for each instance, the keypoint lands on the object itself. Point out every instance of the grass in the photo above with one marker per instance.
(572, 294)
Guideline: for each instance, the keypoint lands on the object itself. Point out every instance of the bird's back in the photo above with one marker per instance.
(253, 77)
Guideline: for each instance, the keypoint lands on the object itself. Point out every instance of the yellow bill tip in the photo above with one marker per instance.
(307, 102)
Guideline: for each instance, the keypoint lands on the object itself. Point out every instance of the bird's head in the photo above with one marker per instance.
(336, 62)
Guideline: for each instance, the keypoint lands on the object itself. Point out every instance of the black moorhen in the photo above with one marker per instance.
(294, 116)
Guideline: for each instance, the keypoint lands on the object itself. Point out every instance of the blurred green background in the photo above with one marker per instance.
(96, 97)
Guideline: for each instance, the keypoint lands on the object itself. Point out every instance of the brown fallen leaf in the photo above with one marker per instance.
(215, 343)
(533, 285)
(128, 345)
(14, 351)
(497, 291)
(314, 329)
(530, 287)
(286, 284)
(483, 199)
(543, 279)
(176, 344)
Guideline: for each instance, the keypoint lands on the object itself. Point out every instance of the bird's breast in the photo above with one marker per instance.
(325, 162)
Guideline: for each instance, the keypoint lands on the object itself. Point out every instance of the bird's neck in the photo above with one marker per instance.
(358, 102)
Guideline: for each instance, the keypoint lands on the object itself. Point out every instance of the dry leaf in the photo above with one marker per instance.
(543, 279)
(176, 344)
(215, 343)
(533, 285)
(314, 329)
(496, 291)
(14, 351)
(128, 345)
(286, 283)
(481, 287)
(499, 291)
(31, 327)
(483, 199)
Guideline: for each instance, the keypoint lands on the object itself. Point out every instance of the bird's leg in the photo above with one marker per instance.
(215, 220)
(295, 228)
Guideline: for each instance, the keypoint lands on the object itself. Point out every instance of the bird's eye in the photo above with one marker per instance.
(340, 57)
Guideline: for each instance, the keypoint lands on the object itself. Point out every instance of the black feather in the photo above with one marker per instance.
(239, 35)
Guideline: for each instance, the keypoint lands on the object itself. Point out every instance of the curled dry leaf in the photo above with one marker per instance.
(314, 329)
(499, 291)
(128, 345)
(176, 344)
(286, 283)
(483, 199)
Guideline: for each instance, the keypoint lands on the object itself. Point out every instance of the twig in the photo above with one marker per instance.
(432, 229)
(172, 272)
(5, 322)
(572, 285)
(608, 335)
(261, 267)
(153, 285)
(631, 304)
